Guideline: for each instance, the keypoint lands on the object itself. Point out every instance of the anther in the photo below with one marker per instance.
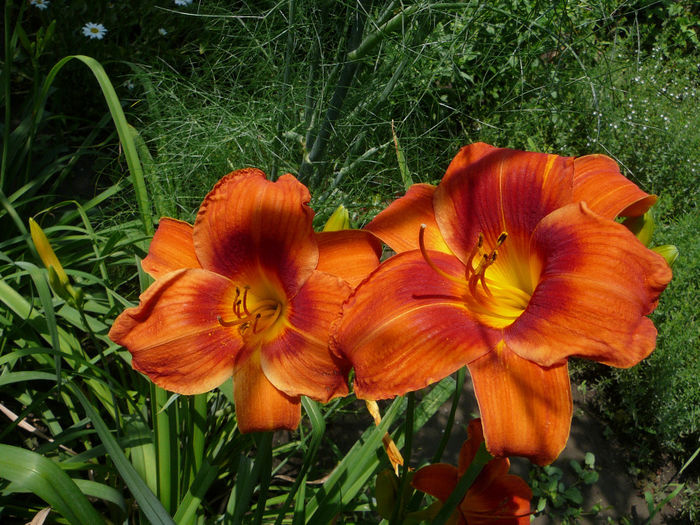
(478, 275)
(236, 302)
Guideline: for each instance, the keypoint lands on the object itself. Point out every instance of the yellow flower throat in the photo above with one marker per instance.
(494, 297)
(252, 315)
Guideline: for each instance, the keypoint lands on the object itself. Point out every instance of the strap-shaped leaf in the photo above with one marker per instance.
(32, 472)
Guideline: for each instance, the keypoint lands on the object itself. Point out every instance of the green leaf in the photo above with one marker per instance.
(590, 459)
(541, 504)
(576, 466)
(125, 135)
(31, 472)
(352, 473)
(574, 495)
(151, 507)
(187, 509)
(103, 492)
(589, 477)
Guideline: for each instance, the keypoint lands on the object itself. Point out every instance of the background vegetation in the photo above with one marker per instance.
(315, 89)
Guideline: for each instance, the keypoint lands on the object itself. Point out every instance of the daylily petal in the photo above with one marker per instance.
(493, 190)
(250, 229)
(349, 254)
(298, 359)
(260, 407)
(399, 224)
(190, 352)
(598, 283)
(171, 249)
(505, 500)
(407, 326)
(525, 408)
(438, 480)
(599, 183)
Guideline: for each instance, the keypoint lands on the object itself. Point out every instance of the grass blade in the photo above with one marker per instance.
(151, 507)
(32, 472)
(125, 134)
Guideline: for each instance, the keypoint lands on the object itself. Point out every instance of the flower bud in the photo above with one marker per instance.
(58, 279)
(43, 248)
(340, 220)
(668, 252)
(642, 227)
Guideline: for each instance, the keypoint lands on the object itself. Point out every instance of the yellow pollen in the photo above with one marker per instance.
(259, 318)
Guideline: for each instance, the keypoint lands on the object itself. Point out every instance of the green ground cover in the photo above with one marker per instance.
(315, 89)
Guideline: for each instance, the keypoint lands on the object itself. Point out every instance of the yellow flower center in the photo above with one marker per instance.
(496, 294)
(252, 315)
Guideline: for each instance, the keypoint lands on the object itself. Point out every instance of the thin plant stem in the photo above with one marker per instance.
(263, 465)
(335, 105)
(461, 373)
(399, 509)
(285, 80)
(6, 78)
(481, 458)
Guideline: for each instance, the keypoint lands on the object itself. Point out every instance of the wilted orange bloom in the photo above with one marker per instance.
(249, 291)
(510, 266)
(494, 497)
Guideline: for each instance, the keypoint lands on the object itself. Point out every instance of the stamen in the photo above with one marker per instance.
(255, 324)
(475, 250)
(235, 322)
(266, 310)
(478, 275)
(237, 303)
(245, 300)
(424, 253)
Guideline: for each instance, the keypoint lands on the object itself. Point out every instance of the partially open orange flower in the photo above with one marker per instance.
(510, 266)
(494, 497)
(249, 291)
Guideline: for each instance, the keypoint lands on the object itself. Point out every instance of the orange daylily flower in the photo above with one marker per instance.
(494, 497)
(249, 291)
(510, 266)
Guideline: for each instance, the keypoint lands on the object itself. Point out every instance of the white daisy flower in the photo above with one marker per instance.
(97, 31)
(40, 4)
(183, 2)
(163, 31)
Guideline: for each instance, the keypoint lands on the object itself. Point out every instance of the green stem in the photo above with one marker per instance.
(461, 373)
(285, 80)
(336, 103)
(373, 39)
(399, 509)
(163, 427)
(198, 419)
(263, 469)
(6, 76)
(480, 460)
(318, 426)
